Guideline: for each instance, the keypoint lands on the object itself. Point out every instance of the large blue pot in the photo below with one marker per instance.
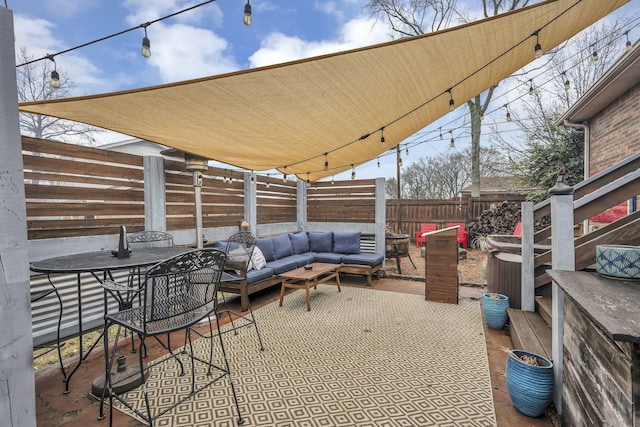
(530, 387)
(494, 309)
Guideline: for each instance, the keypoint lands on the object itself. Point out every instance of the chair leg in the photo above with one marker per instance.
(228, 370)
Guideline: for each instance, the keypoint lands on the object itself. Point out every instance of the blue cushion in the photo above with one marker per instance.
(328, 257)
(299, 242)
(282, 246)
(266, 247)
(321, 241)
(256, 275)
(302, 259)
(282, 265)
(363, 259)
(346, 243)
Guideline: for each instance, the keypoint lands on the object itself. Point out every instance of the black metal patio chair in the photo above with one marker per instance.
(177, 294)
(239, 248)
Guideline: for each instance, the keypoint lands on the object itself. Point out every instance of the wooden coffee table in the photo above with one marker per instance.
(300, 278)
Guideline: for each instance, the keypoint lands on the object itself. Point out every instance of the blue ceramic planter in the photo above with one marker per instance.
(530, 387)
(494, 309)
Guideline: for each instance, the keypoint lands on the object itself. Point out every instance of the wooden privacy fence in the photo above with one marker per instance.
(406, 218)
(74, 191)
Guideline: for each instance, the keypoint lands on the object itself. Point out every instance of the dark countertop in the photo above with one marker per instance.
(613, 304)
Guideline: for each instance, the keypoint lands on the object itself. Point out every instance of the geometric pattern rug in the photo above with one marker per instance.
(358, 358)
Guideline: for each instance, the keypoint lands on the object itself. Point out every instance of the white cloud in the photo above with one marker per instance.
(182, 52)
(277, 47)
(148, 10)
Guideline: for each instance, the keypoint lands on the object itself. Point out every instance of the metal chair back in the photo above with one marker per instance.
(149, 239)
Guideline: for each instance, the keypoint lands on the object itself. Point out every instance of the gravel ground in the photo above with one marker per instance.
(470, 268)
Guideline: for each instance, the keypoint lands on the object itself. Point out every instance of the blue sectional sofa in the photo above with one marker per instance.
(288, 251)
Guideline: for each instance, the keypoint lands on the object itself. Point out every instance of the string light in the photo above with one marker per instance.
(407, 149)
(538, 49)
(531, 91)
(55, 77)
(267, 185)
(508, 113)
(353, 172)
(627, 45)
(247, 14)
(594, 55)
(308, 182)
(452, 104)
(332, 180)
(567, 84)
(326, 162)
(399, 161)
(452, 144)
(284, 175)
(383, 144)
(440, 132)
(146, 44)
(253, 181)
(378, 162)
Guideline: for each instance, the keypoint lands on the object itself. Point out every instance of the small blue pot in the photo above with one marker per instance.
(494, 309)
(530, 387)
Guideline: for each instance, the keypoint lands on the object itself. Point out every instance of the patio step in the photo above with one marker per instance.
(530, 331)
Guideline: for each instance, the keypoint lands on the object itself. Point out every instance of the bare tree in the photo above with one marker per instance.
(33, 81)
(444, 176)
(415, 17)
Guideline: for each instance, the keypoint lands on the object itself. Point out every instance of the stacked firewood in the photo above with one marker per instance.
(501, 219)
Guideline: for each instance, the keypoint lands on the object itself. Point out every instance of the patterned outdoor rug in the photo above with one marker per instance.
(358, 358)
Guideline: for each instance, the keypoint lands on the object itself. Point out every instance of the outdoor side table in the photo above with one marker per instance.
(99, 264)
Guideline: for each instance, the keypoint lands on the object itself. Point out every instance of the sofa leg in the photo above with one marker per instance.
(369, 280)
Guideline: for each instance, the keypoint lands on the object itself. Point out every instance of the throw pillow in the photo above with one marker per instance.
(346, 243)
(257, 259)
(321, 241)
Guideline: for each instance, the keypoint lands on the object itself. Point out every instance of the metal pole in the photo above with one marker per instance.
(197, 191)
(399, 215)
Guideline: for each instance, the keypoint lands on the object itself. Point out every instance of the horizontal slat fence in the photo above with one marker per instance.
(277, 200)
(74, 191)
(413, 212)
(342, 201)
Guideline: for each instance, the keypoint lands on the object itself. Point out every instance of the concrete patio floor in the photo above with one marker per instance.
(78, 408)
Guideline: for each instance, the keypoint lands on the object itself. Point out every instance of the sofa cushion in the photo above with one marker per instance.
(266, 246)
(252, 275)
(302, 259)
(282, 246)
(346, 243)
(299, 242)
(328, 257)
(363, 259)
(283, 264)
(321, 241)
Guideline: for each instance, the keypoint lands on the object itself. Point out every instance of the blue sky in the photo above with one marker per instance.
(205, 41)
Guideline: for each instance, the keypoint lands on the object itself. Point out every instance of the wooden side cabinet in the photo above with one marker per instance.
(601, 350)
(441, 265)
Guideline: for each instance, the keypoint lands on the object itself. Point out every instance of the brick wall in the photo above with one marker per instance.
(615, 131)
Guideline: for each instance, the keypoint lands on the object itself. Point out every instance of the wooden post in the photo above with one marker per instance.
(17, 382)
(563, 258)
(528, 293)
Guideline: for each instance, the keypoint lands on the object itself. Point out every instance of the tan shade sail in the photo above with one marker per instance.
(292, 114)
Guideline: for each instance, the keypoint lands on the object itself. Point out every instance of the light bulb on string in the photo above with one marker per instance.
(247, 19)
(353, 172)
(308, 182)
(452, 104)
(326, 162)
(627, 45)
(594, 55)
(399, 162)
(567, 84)
(538, 49)
(508, 113)
(267, 184)
(440, 132)
(284, 175)
(406, 150)
(383, 143)
(332, 180)
(55, 77)
(452, 143)
(378, 162)
(146, 44)
(531, 90)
